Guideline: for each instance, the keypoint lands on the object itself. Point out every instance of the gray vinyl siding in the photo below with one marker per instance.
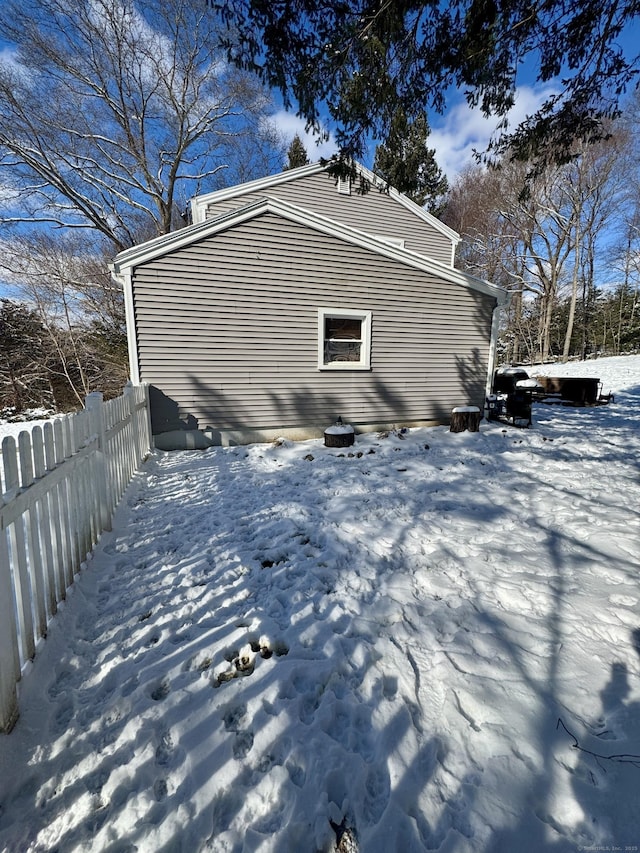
(227, 329)
(375, 213)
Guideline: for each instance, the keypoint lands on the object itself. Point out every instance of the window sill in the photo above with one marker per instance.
(339, 366)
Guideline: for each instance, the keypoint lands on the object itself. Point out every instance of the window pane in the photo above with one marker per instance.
(341, 351)
(343, 328)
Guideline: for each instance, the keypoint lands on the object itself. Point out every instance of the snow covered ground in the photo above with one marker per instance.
(428, 641)
(12, 427)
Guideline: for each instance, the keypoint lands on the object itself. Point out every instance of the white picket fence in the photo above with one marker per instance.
(60, 486)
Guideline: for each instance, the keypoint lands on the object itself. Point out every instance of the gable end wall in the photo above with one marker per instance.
(376, 213)
(227, 331)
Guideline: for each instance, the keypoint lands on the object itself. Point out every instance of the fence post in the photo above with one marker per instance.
(148, 439)
(130, 397)
(93, 404)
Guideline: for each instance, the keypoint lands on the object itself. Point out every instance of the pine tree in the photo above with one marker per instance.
(359, 61)
(297, 154)
(407, 163)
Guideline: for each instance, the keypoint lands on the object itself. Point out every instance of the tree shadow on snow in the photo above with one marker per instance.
(234, 663)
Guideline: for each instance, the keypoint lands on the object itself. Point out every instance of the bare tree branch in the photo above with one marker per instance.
(110, 107)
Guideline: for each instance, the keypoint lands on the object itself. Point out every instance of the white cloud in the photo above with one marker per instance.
(463, 130)
(10, 64)
(8, 55)
(455, 136)
(288, 125)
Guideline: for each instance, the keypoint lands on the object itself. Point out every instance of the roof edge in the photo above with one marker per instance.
(166, 243)
(199, 204)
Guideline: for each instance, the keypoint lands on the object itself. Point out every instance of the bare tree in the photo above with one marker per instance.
(539, 237)
(484, 206)
(114, 113)
(65, 285)
(594, 184)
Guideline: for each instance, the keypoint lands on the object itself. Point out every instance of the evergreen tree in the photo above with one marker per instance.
(297, 154)
(23, 377)
(359, 60)
(407, 163)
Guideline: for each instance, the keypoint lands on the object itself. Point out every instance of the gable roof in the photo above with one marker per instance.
(159, 246)
(199, 204)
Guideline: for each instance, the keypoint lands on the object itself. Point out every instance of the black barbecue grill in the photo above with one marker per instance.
(510, 398)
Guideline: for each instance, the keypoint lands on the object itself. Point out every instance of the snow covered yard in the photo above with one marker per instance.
(431, 640)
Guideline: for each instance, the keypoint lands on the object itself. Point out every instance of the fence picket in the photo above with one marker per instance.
(9, 654)
(63, 518)
(18, 547)
(32, 538)
(72, 501)
(45, 527)
(61, 486)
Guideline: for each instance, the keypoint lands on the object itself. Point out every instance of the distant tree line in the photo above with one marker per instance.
(51, 369)
(606, 322)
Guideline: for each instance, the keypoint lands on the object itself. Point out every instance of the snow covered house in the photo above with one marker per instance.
(294, 300)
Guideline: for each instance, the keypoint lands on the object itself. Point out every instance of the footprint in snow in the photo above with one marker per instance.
(297, 773)
(225, 807)
(160, 690)
(165, 755)
(160, 789)
(63, 717)
(307, 707)
(270, 822)
(377, 793)
(243, 744)
(165, 749)
(233, 717)
(338, 726)
(63, 683)
(389, 686)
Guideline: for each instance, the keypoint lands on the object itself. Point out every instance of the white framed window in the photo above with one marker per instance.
(344, 339)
